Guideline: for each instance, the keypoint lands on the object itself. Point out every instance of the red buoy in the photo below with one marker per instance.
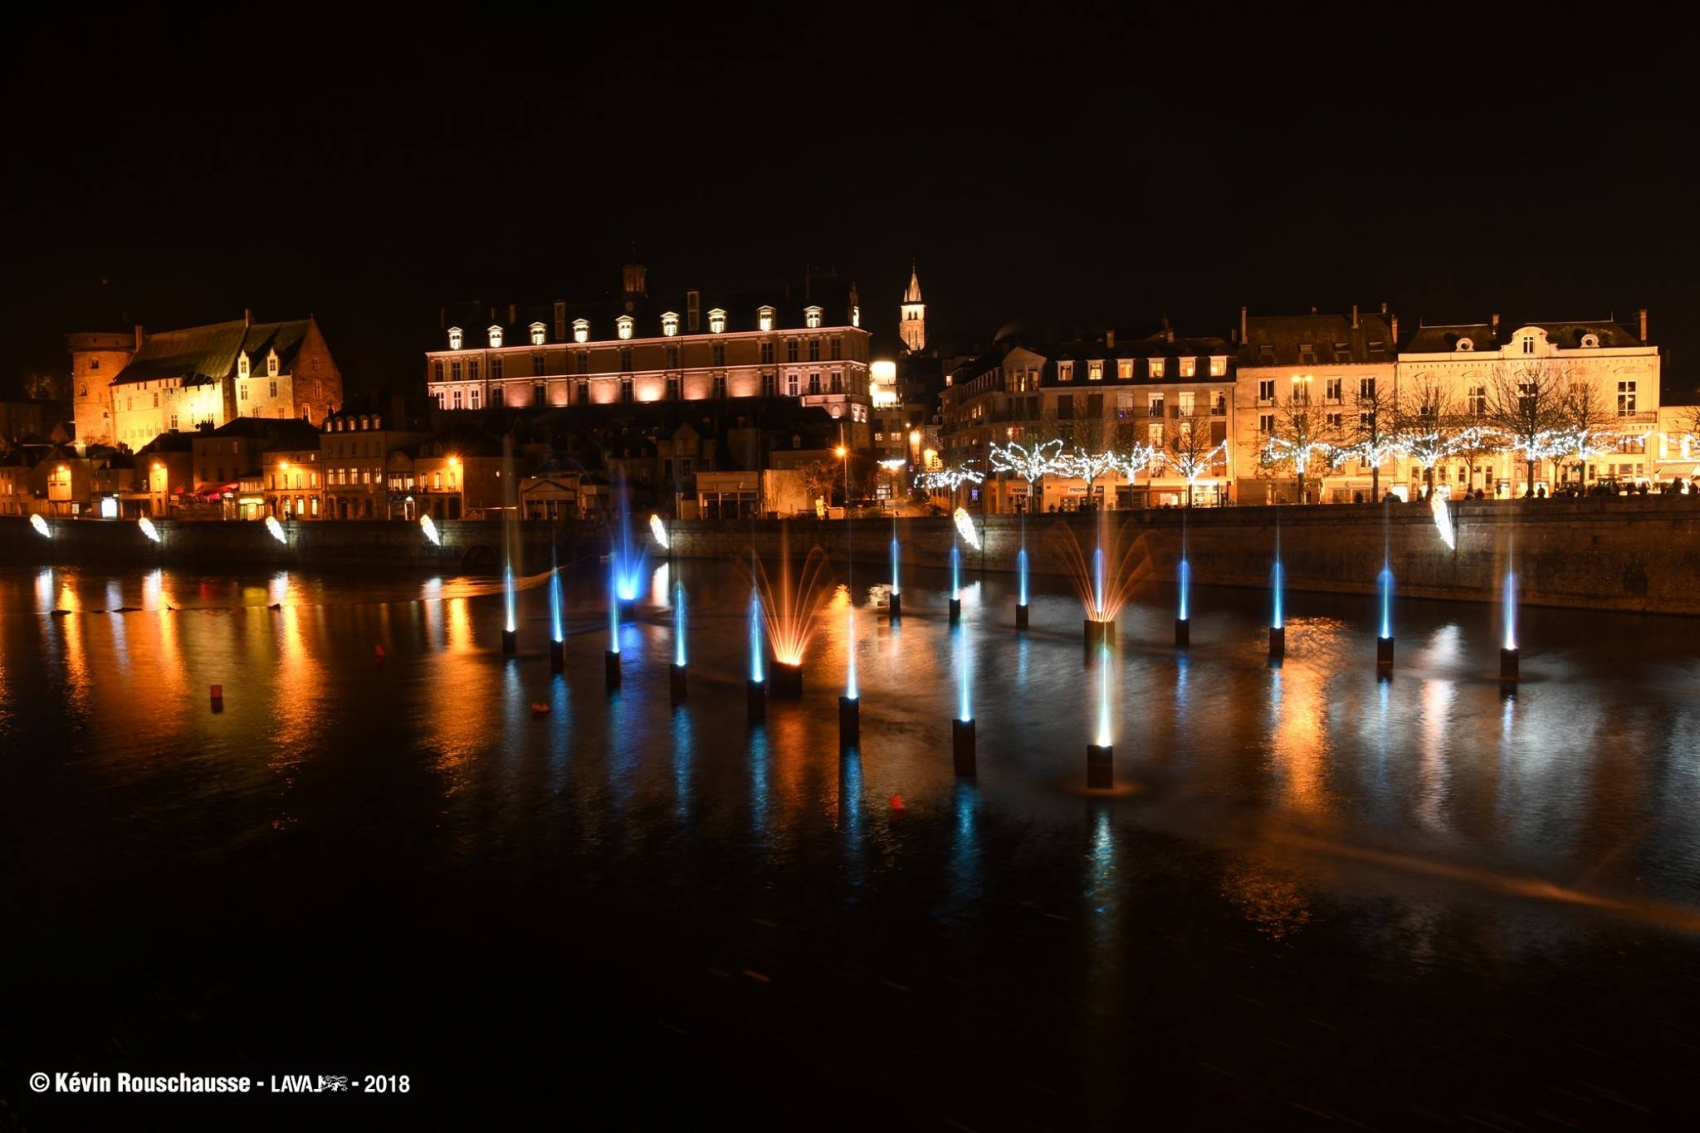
(218, 698)
(379, 650)
(897, 802)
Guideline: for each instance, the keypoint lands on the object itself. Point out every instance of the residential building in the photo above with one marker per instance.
(365, 457)
(224, 457)
(1477, 368)
(1323, 377)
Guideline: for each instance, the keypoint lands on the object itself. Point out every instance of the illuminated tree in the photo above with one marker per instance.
(1371, 436)
(1191, 454)
(1301, 429)
(1526, 403)
(1582, 433)
(1031, 461)
(1426, 423)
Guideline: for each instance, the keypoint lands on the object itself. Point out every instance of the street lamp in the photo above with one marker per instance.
(457, 484)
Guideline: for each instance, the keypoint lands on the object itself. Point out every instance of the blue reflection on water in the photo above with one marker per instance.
(966, 880)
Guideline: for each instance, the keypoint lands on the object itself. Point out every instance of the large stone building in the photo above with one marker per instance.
(805, 343)
(127, 390)
(1477, 368)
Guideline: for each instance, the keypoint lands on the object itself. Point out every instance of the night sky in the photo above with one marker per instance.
(1103, 166)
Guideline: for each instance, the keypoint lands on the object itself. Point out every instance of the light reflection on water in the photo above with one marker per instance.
(1587, 776)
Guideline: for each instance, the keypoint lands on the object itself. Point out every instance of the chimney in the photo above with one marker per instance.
(1110, 339)
(1395, 329)
(1493, 323)
(247, 316)
(1242, 324)
(1643, 313)
(513, 314)
(139, 337)
(1384, 308)
(560, 321)
(1354, 316)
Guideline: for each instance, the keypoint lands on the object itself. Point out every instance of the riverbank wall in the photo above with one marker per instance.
(1601, 553)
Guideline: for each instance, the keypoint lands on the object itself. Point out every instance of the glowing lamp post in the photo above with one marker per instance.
(1508, 652)
(676, 680)
(849, 705)
(962, 753)
(1100, 773)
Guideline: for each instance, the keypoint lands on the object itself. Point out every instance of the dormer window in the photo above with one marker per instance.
(717, 321)
(623, 326)
(495, 337)
(1189, 367)
(855, 316)
(454, 338)
(581, 330)
(242, 366)
(670, 323)
(764, 318)
(1464, 346)
(1218, 365)
(271, 364)
(1156, 367)
(1589, 341)
(538, 334)
(811, 317)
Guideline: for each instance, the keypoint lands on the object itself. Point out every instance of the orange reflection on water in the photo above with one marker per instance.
(1298, 744)
(299, 686)
(1271, 901)
(462, 698)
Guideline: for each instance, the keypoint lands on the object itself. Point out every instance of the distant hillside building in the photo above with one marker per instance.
(803, 343)
(127, 390)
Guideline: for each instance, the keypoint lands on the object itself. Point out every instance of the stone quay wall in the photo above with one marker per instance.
(1601, 553)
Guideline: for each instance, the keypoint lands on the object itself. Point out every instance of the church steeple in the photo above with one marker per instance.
(913, 327)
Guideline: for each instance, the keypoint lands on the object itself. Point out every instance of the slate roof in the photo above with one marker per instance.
(200, 355)
(1276, 340)
(278, 432)
(1565, 334)
(831, 294)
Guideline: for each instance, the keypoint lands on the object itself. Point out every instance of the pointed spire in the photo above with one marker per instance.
(913, 294)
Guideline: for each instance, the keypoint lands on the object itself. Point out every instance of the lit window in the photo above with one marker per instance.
(764, 318)
(623, 326)
(670, 323)
(1189, 367)
(581, 330)
(717, 321)
(811, 317)
(1218, 365)
(1124, 369)
(1095, 371)
(1186, 401)
(855, 316)
(1626, 399)
(1157, 404)
(495, 337)
(454, 338)
(1156, 367)
(242, 366)
(538, 334)
(1065, 371)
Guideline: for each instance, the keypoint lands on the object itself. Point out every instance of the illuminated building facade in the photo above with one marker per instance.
(802, 343)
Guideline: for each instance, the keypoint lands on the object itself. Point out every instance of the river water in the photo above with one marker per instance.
(1312, 895)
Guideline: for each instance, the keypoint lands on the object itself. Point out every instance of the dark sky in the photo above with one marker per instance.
(1078, 165)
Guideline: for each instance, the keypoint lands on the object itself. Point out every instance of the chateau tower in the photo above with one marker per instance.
(97, 358)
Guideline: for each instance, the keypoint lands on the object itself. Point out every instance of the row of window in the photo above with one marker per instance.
(625, 326)
(1154, 367)
(1307, 353)
(1475, 397)
(242, 366)
(241, 392)
(717, 357)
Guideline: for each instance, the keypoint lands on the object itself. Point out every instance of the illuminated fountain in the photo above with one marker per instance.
(611, 658)
(962, 725)
(758, 681)
(510, 529)
(896, 612)
(1183, 586)
(955, 581)
(1384, 584)
(1021, 610)
(849, 710)
(1100, 774)
(557, 618)
(1104, 581)
(676, 675)
(788, 612)
(1508, 651)
(627, 561)
(1277, 618)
